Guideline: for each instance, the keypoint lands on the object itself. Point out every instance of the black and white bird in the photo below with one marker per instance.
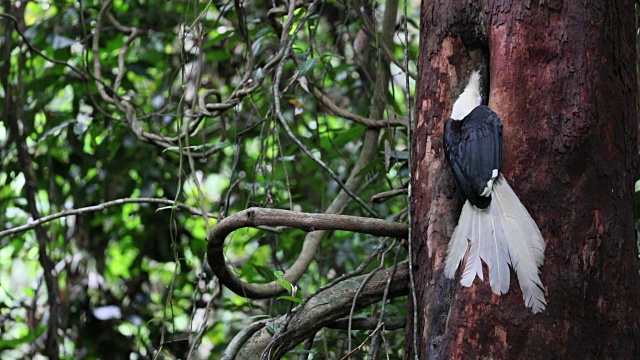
(494, 226)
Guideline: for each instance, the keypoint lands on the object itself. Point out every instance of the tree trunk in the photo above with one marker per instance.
(562, 76)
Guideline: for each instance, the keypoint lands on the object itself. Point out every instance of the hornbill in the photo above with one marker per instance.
(494, 226)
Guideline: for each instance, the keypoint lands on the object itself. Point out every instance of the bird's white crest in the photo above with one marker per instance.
(469, 99)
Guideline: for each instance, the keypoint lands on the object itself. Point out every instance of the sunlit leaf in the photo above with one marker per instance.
(282, 281)
(349, 135)
(29, 338)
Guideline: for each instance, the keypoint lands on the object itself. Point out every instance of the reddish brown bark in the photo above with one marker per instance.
(562, 76)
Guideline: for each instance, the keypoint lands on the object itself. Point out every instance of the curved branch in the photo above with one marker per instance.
(338, 111)
(48, 218)
(254, 217)
(241, 338)
(312, 240)
(368, 153)
(325, 309)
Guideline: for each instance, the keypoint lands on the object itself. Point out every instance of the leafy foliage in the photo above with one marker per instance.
(175, 100)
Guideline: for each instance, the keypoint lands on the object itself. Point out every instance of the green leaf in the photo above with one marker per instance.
(307, 66)
(140, 68)
(29, 338)
(348, 136)
(265, 272)
(290, 298)
(282, 281)
(369, 167)
(262, 32)
(286, 158)
(270, 328)
(218, 38)
(201, 147)
(207, 146)
(330, 55)
(218, 55)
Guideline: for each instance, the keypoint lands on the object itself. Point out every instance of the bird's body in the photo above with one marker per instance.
(494, 225)
(474, 150)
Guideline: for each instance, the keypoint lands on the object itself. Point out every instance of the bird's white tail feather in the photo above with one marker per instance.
(496, 254)
(526, 246)
(503, 234)
(459, 243)
(473, 266)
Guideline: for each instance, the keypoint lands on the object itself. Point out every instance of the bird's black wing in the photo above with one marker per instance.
(476, 153)
(453, 152)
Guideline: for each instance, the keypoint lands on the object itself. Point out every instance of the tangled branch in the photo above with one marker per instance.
(254, 217)
(338, 111)
(326, 308)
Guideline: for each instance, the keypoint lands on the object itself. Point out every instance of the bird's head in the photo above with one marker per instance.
(469, 99)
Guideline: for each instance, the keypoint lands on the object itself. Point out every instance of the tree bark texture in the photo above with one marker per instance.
(562, 76)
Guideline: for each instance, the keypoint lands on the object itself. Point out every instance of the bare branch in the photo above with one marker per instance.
(241, 338)
(362, 285)
(369, 323)
(385, 195)
(324, 309)
(337, 110)
(375, 337)
(254, 217)
(99, 207)
(351, 352)
(197, 337)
